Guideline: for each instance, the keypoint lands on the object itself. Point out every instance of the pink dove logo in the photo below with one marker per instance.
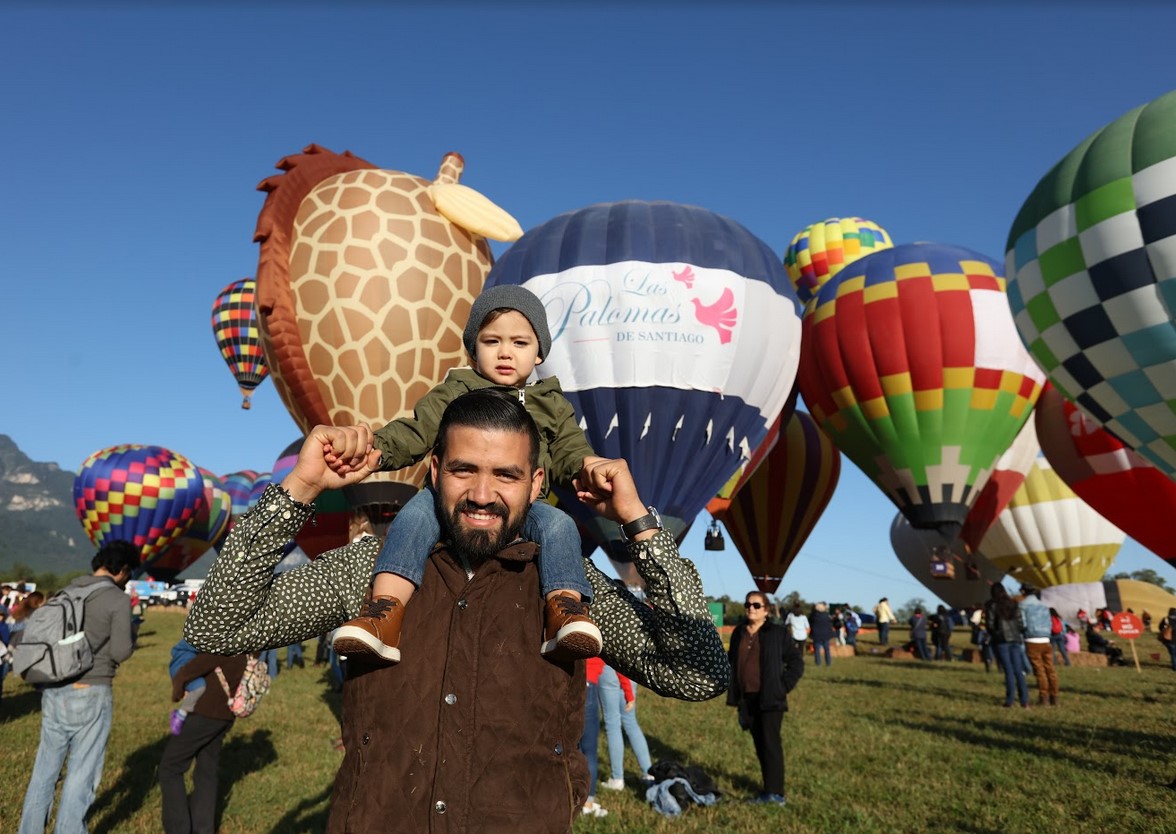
(686, 276)
(721, 315)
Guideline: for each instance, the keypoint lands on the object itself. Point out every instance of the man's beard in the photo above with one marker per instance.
(478, 545)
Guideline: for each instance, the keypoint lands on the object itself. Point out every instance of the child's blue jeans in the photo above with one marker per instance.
(415, 530)
(181, 653)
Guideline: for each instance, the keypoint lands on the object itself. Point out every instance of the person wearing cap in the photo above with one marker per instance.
(506, 337)
(1038, 627)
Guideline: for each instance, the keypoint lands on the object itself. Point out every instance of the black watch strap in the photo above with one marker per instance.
(649, 521)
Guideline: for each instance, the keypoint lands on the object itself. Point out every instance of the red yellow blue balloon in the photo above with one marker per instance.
(146, 495)
(911, 364)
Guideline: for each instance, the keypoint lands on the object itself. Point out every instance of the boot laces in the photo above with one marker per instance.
(377, 607)
(571, 605)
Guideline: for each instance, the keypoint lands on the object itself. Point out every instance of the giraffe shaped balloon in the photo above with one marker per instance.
(365, 280)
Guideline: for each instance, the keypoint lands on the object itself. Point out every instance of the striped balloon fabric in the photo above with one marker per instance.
(239, 485)
(146, 495)
(234, 324)
(1092, 278)
(822, 250)
(772, 513)
(1049, 536)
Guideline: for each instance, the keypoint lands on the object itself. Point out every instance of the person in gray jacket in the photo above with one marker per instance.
(76, 714)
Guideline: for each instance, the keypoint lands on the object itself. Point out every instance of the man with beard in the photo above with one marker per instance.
(473, 730)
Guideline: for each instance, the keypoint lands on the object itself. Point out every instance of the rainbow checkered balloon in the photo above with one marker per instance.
(234, 324)
(822, 250)
(911, 364)
(146, 495)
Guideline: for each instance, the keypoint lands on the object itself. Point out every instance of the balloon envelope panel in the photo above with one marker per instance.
(208, 530)
(1007, 476)
(235, 327)
(1115, 594)
(239, 485)
(675, 335)
(772, 514)
(912, 366)
(1120, 484)
(1092, 278)
(1049, 536)
(822, 250)
(146, 495)
(915, 548)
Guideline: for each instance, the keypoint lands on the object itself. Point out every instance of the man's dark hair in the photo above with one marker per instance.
(116, 556)
(494, 409)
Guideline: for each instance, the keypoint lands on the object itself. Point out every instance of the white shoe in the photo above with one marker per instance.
(614, 784)
(593, 809)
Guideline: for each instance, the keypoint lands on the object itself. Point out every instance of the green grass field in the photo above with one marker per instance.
(871, 745)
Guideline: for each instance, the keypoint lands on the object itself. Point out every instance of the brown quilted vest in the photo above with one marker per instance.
(473, 731)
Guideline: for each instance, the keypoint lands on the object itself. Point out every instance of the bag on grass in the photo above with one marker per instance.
(53, 647)
(255, 682)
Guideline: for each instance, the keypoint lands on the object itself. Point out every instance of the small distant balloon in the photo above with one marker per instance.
(822, 250)
(235, 326)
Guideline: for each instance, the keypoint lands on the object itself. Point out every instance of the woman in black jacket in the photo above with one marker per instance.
(765, 666)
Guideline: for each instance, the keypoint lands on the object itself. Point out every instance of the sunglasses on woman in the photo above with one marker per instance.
(755, 605)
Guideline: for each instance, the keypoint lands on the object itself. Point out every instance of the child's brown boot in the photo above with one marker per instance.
(570, 633)
(374, 635)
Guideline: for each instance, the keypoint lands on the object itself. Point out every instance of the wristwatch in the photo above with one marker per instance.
(649, 521)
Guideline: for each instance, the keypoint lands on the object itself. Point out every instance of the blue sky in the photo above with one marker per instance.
(135, 136)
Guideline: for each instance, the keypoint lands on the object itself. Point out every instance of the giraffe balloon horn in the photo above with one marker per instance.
(470, 209)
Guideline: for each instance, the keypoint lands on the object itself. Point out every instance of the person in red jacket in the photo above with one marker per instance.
(200, 738)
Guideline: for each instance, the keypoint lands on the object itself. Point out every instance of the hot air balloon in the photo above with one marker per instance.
(259, 485)
(365, 281)
(1115, 594)
(146, 495)
(912, 366)
(234, 324)
(1008, 473)
(239, 486)
(675, 335)
(1092, 278)
(971, 581)
(1049, 536)
(771, 515)
(822, 250)
(332, 513)
(1117, 482)
(209, 529)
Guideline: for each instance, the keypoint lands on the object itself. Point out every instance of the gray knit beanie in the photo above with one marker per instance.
(511, 297)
